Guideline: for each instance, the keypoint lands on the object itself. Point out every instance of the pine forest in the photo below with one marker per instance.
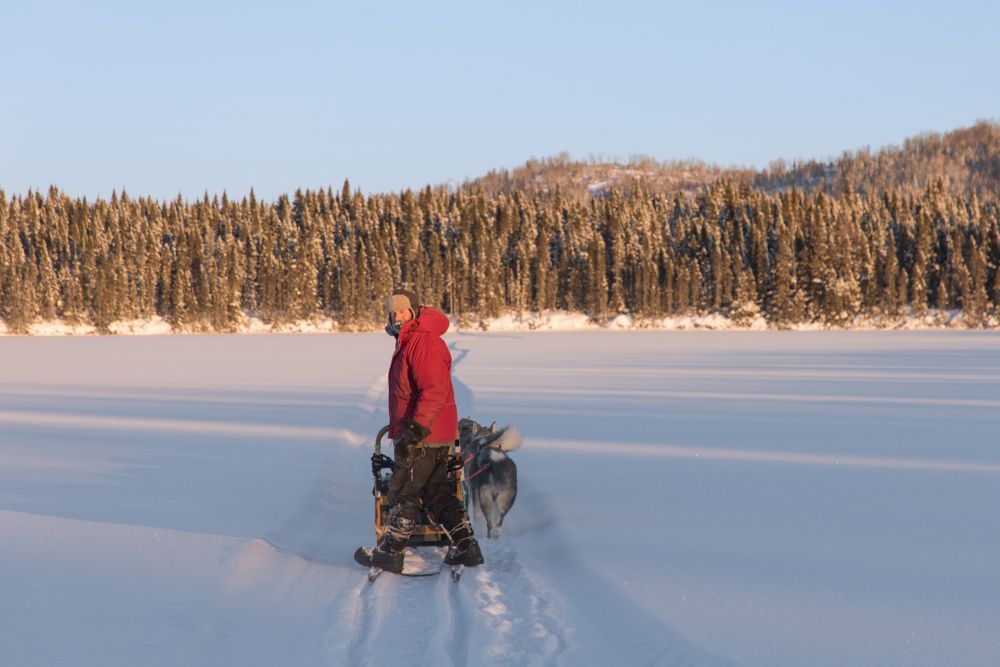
(745, 246)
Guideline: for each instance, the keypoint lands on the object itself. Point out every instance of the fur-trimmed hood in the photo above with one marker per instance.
(430, 320)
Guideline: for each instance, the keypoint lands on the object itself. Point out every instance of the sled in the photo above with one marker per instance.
(422, 561)
(426, 533)
(417, 562)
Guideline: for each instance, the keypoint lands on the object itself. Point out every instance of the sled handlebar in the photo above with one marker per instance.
(378, 439)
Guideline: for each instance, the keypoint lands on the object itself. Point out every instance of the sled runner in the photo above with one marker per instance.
(417, 561)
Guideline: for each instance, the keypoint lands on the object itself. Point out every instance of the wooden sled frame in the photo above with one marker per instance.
(426, 533)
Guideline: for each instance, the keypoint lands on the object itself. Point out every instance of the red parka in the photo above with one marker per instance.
(420, 379)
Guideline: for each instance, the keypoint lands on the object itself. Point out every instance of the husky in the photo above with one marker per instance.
(490, 475)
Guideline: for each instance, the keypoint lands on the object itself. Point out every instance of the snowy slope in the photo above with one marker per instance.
(686, 498)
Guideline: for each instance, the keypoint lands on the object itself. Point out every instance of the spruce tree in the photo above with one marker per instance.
(975, 306)
(890, 299)
(598, 287)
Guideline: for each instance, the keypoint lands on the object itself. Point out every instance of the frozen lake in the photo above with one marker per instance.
(686, 498)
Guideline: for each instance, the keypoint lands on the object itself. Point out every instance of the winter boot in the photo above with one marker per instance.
(466, 552)
(388, 555)
(388, 561)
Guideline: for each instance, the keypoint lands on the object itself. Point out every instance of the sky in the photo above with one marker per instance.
(183, 98)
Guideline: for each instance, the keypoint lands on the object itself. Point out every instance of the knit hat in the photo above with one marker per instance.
(400, 299)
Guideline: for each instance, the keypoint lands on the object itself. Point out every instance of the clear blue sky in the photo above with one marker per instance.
(182, 97)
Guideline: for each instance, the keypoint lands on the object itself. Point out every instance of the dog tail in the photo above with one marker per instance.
(509, 439)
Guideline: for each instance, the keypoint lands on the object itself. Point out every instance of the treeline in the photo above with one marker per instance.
(791, 257)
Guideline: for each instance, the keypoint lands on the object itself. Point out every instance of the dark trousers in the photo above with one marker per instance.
(421, 479)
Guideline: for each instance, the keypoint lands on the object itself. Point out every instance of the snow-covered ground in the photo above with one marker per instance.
(548, 320)
(686, 498)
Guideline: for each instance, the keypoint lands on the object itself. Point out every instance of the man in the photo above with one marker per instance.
(423, 424)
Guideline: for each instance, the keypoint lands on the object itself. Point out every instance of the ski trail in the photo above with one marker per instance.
(458, 626)
(333, 518)
(465, 398)
(521, 614)
(362, 618)
(367, 409)
(332, 506)
(366, 419)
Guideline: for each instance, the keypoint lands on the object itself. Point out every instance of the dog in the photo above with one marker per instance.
(490, 475)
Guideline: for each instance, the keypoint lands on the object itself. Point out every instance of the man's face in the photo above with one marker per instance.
(402, 316)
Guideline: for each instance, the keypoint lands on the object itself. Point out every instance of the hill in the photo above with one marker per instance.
(966, 160)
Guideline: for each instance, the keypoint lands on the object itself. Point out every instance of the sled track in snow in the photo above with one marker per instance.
(424, 620)
(518, 610)
(498, 614)
(459, 626)
(364, 628)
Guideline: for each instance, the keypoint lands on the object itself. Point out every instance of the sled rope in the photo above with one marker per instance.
(469, 458)
(477, 472)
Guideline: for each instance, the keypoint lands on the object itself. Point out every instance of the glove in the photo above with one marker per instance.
(414, 433)
(380, 462)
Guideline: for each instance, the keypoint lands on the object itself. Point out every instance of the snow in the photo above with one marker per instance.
(546, 320)
(685, 498)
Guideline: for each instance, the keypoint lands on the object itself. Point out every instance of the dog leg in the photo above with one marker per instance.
(487, 506)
